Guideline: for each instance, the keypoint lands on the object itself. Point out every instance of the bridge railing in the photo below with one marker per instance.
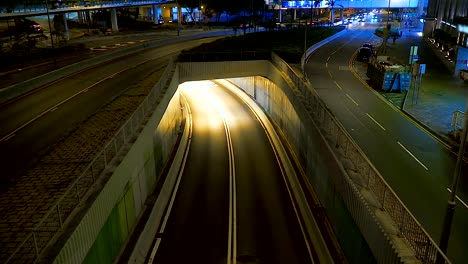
(53, 221)
(424, 247)
(22, 8)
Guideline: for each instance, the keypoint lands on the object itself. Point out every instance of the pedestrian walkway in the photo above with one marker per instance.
(441, 94)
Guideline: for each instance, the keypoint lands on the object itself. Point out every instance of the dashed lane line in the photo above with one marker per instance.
(411, 154)
(461, 201)
(375, 121)
(352, 100)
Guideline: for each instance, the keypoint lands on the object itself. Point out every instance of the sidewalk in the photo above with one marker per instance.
(441, 93)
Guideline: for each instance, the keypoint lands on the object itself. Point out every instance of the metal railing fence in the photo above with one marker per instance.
(24, 6)
(424, 247)
(457, 119)
(53, 221)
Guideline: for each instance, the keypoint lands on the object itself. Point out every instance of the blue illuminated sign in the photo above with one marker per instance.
(463, 28)
(296, 4)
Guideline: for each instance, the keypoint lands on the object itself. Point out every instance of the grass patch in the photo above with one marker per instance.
(288, 44)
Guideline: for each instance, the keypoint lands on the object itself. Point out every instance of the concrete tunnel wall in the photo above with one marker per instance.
(113, 215)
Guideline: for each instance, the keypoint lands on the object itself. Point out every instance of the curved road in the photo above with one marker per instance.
(244, 212)
(417, 166)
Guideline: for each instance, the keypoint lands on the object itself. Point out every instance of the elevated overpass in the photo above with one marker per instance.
(356, 4)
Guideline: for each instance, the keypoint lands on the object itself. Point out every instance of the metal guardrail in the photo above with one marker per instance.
(96, 4)
(53, 221)
(457, 119)
(424, 247)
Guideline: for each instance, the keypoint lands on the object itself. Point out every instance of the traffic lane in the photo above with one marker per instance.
(401, 129)
(426, 201)
(26, 108)
(404, 174)
(423, 147)
(424, 193)
(65, 104)
(268, 230)
(433, 154)
(35, 139)
(197, 229)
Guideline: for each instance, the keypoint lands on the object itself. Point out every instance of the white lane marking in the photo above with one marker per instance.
(328, 59)
(350, 98)
(338, 85)
(411, 154)
(329, 73)
(232, 226)
(232, 232)
(326, 64)
(62, 102)
(256, 112)
(9, 137)
(461, 201)
(375, 121)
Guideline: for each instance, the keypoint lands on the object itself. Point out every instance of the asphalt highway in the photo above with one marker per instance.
(416, 165)
(33, 123)
(232, 203)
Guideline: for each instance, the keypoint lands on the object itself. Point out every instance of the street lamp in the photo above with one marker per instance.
(388, 12)
(444, 237)
(50, 33)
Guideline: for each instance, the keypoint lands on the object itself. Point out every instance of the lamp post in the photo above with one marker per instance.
(388, 12)
(50, 33)
(445, 235)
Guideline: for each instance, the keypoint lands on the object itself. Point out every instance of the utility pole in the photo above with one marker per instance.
(444, 238)
(50, 33)
(388, 12)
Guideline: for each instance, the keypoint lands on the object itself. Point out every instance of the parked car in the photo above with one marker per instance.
(27, 26)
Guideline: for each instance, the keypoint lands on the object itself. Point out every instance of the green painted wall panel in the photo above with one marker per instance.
(113, 233)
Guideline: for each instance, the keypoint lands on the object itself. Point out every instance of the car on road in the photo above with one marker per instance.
(364, 54)
(368, 45)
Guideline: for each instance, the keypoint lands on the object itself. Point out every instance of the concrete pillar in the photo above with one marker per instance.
(453, 8)
(155, 14)
(341, 15)
(440, 13)
(80, 17)
(66, 32)
(421, 8)
(280, 16)
(115, 26)
(429, 27)
(295, 14)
